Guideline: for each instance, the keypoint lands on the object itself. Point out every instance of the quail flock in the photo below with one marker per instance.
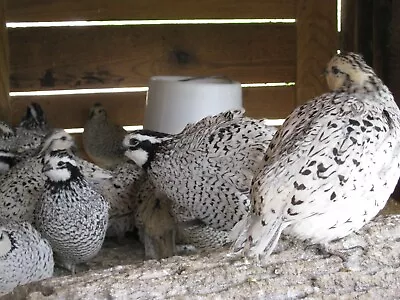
(227, 179)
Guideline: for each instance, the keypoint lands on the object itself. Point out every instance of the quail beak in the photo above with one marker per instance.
(46, 167)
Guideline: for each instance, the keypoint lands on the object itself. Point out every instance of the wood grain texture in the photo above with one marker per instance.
(271, 103)
(349, 33)
(66, 10)
(99, 57)
(71, 111)
(5, 108)
(317, 42)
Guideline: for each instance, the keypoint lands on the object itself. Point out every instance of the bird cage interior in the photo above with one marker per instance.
(208, 149)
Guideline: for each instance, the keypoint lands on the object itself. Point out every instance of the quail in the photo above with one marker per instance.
(22, 185)
(70, 213)
(154, 220)
(116, 186)
(102, 139)
(120, 191)
(24, 255)
(31, 131)
(332, 165)
(207, 168)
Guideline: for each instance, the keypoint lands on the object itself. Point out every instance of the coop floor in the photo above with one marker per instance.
(129, 251)
(364, 265)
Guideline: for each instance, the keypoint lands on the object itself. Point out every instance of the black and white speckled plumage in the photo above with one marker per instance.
(21, 187)
(332, 165)
(120, 192)
(7, 160)
(31, 132)
(24, 255)
(8, 153)
(208, 167)
(70, 214)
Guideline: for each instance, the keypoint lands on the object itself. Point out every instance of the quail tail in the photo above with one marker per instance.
(256, 236)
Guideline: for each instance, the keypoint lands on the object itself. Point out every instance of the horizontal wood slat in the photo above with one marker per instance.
(271, 102)
(317, 42)
(99, 57)
(46, 10)
(70, 111)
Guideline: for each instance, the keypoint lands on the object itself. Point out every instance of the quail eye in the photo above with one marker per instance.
(133, 142)
(64, 138)
(1, 236)
(60, 163)
(335, 70)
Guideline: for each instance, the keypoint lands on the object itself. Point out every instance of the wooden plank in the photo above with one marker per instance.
(381, 34)
(69, 58)
(349, 34)
(5, 109)
(71, 111)
(67, 10)
(271, 102)
(317, 42)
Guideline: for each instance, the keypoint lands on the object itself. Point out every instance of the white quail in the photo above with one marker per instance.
(119, 190)
(70, 214)
(207, 168)
(116, 186)
(24, 255)
(21, 187)
(332, 165)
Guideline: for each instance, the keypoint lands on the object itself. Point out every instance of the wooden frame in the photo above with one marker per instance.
(98, 57)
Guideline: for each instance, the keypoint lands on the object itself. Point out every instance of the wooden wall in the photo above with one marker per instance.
(127, 56)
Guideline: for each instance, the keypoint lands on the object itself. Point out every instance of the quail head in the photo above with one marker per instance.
(332, 165)
(207, 168)
(31, 131)
(70, 214)
(102, 139)
(24, 255)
